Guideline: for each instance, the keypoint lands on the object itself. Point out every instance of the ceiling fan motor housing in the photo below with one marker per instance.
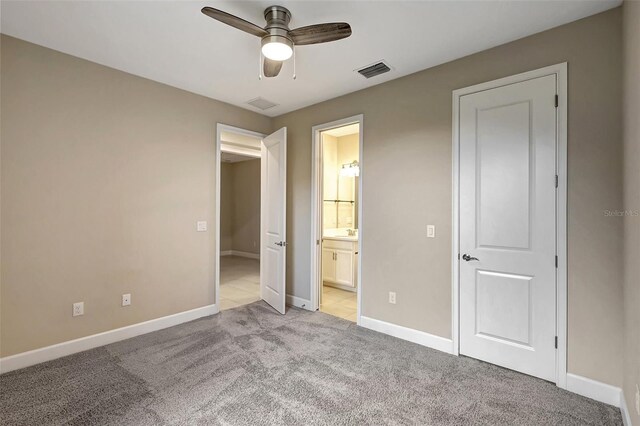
(277, 18)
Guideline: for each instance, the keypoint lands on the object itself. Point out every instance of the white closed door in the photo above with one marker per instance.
(507, 226)
(273, 256)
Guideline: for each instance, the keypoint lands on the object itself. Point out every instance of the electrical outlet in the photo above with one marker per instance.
(392, 297)
(637, 399)
(201, 226)
(126, 299)
(431, 231)
(78, 309)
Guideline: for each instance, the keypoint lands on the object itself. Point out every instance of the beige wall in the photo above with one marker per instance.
(407, 185)
(246, 206)
(348, 148)
(240, 206)
(226, 206)
(329, 181)
(104, 176)
(632, 203)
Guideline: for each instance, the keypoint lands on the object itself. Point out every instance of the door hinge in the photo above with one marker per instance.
(556, 181)
(556, 342)
(557, 101)
(317, 242)
(556, 261)
(458, 256)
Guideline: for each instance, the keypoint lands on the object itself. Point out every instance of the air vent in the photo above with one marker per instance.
(261, 103)
(375, 69)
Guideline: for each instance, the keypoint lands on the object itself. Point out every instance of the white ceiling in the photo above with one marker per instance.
(173, 43)
(228, 157)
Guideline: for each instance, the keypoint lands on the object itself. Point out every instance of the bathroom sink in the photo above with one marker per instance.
(341, 234)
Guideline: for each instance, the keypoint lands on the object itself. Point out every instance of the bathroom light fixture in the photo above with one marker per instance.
(350, 169)
(277, 48)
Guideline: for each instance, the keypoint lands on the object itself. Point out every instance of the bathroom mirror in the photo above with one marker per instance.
(341, 178)
(347, 202)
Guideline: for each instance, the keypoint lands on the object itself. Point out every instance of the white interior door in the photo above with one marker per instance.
(273, 256)
(507, 226)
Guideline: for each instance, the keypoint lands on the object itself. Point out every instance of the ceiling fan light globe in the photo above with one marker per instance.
(277, 51)
(277, 47)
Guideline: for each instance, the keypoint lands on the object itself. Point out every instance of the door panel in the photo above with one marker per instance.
(503, 171)
(507, 222)
(344, 267)
(328, 265)
(503, 307)
(273, 220)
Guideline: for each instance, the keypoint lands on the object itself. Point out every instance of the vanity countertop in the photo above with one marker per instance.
(340, 234)
(340, 238)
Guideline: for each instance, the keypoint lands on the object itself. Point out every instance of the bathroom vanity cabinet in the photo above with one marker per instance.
(340, 262)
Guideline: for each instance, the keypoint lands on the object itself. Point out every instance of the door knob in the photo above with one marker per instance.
(468, 258)
(281, 244)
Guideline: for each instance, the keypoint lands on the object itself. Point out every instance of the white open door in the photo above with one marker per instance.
(507, 226)
(273, 229)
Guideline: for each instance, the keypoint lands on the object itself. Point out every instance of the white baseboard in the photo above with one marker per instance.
(624, 409)
(298, 302)
(415, 336)
(48, 353)
(240, 254)
(595, 390)
(340, 286)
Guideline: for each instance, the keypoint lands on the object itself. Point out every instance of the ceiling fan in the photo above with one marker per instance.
(277, 39)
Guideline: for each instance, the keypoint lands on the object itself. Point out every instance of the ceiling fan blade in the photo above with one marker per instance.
(271, 68)
(234, 21)
(320, 33)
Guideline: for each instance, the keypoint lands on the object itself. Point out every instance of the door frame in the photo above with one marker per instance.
(216, 264)
(316, 210)
(560, 71)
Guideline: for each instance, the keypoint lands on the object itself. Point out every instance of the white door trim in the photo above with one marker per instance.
(216, 264)
(316, 203)
(560, 70)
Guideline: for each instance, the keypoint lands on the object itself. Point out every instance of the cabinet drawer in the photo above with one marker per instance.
(337, 244)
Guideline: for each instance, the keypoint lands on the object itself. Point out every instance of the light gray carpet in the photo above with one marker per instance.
(250, 366)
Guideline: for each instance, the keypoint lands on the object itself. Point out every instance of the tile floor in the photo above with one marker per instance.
(240, 285)
(339, 303)
(239, 281)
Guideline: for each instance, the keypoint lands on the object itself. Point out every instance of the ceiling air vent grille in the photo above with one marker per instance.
(261, 103)
(375, 69)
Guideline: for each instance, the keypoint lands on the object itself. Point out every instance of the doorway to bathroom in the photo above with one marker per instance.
(336, 218)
